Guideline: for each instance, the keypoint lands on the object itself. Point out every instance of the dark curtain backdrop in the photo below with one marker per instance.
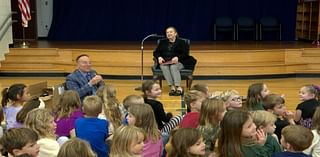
(131, 20)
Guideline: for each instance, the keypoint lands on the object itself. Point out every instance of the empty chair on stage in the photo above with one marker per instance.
(224, 25)
(269, 24)
(246, 26)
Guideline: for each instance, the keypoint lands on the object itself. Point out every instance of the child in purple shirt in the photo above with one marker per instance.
(67, 112)
(12, 102)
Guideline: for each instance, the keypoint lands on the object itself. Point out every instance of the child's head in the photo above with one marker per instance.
(114, 115)
(274, 103)
(15, 93)
(232, 99)
(202, 88)
(187, 142)
(212, 112)
(41, 121)
(69, 101)
(316, 119)
(111, 91)
(308, 92)
(108, 94)
(127, 141)
(235, 126)
(296, 138)
(92, 106)
(18, 141)
(256, 93)
(76, 147)
(193, 99)
(217, 94)
(131, 100)
(110, 106)
(27, 107)
(151, 89)
(264, 120)
(142, 116)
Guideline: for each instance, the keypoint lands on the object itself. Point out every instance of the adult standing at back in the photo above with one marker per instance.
(84, 79)
(172, 55)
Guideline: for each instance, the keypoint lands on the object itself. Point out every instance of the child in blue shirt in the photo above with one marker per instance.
(91, 128)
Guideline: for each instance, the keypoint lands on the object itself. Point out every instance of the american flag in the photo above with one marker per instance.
(24, 6)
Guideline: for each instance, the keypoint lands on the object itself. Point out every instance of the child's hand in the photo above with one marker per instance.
(261, 137)
(289, 115)
(213, 154)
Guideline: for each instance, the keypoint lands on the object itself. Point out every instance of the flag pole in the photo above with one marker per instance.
(24, 7)
(24, 43)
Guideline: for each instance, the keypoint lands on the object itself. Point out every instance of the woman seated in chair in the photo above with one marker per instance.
(172, 55)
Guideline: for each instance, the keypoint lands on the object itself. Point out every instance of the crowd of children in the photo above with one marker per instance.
(222, 124)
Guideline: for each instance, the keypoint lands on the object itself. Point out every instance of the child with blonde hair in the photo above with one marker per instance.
(12, 102)
(314, 148)
(112, 109)
(275, 104)
(265, 120)
(308, 95)
(142, 116)
(239, 136)
(131, 100)
(76, 147)
(128, 101)
(151, 92)
(193, 99)
(295, 139)
(42, 122)
(187, 142)
(91, 128)
(255, 96)
(202, 88)
(18, 141)
(67, 112)
(127, 142)
(211, 113)
(232, 99)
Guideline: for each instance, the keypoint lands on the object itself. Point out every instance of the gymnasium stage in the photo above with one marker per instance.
(222, 59)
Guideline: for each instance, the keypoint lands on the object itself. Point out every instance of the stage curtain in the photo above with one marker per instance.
(131, 20)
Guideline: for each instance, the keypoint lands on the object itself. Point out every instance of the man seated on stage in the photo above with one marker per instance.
(84, 80)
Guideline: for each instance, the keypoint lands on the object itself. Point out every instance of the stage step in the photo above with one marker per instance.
(42, 70)
(311, 52)
(128, 62)
(308, 71)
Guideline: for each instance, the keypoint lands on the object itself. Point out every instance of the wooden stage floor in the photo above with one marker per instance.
(287, 86)
(196, 45)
